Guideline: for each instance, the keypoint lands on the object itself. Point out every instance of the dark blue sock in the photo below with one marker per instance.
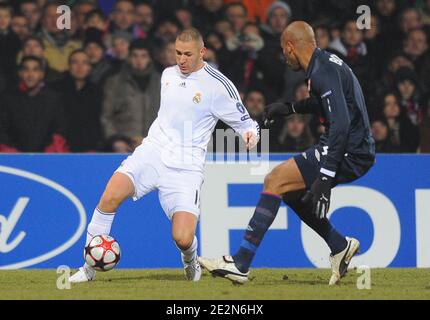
(263, 217)
(335, 241)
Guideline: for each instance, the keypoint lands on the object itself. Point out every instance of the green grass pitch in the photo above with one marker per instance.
(278, 284)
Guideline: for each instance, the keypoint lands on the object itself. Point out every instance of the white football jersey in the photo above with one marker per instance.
(190, 107)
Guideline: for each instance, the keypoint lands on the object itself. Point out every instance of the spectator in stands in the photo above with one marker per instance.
(207, 14)
(375, 44)
(383, 142)
(32, 11)
(387, 12)
(237, 15)
(402, 132)
(166, 56)
(81, 100)
(145, 19)
(270, 59)
(20, 25)
(425, 133)
(256, 10)
(9, 43)
(416, 48)
(410, 95)
(122, 17)
(80, 10)
(395, 62)
(31, 116)
(33, 46)
(424, 12)
(167, 29)
(185, 17)
(322, 36)
(58, 43)
(296, 135)
(244, 50)
(132, 97)
(119, 52)
(101, 66)
(210, 57)
(96, 19)
(410, 19)
(255, 102)
(119, 144)
(351, 48)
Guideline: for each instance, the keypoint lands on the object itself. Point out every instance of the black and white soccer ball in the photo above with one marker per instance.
(102, 253)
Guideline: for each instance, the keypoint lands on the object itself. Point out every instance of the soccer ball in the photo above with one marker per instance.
(102, 253)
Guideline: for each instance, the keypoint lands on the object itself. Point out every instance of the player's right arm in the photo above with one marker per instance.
(231, 111)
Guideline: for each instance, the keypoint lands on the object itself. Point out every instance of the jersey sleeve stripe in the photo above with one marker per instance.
(227, 80)
(226, 84)
(233, 88)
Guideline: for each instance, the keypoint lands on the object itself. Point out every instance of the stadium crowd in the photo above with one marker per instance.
(96, 86)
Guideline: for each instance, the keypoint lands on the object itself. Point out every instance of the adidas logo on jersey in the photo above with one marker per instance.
(183, 85)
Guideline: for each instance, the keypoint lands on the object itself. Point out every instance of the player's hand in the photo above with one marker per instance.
(277, 109)
(319, 195)
(251, 139)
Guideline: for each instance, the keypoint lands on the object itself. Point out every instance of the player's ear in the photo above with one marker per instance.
(203, 51)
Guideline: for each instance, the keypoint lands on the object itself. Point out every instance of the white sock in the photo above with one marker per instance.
(191, 252)
(101, 223)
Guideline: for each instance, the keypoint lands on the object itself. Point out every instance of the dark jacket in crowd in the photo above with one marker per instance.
(82, 110)
(10, 44)
(130, 102)
(32, 123)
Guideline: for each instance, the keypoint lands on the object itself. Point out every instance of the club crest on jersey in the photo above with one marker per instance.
(197, 98)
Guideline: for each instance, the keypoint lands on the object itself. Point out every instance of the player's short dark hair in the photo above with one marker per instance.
(93, 13)
(39, 60)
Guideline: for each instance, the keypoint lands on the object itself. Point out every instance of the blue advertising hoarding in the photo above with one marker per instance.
(46, 202)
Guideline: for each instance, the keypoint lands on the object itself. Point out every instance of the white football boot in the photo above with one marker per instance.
(192, 269)
(340, 261)
(84, 274)
(224, 267)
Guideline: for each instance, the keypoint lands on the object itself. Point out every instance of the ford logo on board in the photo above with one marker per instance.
(39, 218)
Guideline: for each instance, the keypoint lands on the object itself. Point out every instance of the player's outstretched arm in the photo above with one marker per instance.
(233, 113)
(279, 109)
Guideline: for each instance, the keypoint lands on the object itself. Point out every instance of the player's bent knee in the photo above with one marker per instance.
(183, 241)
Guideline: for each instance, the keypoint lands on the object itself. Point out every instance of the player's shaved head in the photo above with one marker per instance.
(190, 50)
(297, 41)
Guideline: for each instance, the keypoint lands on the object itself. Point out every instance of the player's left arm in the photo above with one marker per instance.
(336, 110)
(329, 84)
(232, 112)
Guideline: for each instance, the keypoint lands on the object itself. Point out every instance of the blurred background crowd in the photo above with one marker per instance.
(95, 87)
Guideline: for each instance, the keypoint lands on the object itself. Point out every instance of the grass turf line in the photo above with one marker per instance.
(170, 284)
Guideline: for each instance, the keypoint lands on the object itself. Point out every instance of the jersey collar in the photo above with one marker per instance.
(311, 65)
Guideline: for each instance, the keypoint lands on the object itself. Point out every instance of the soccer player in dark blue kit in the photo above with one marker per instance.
(344, 153)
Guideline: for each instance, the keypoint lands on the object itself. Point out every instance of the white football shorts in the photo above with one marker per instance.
(178, 189)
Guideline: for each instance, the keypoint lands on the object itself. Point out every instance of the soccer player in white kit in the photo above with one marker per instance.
(194, 96)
